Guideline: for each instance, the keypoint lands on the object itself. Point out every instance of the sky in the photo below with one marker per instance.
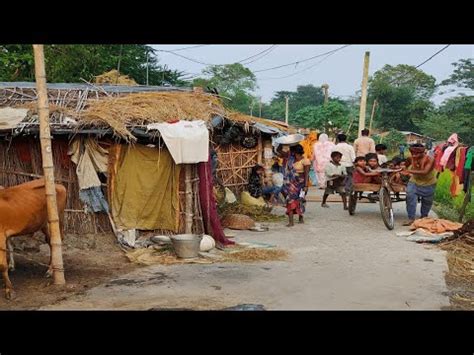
(342, 70)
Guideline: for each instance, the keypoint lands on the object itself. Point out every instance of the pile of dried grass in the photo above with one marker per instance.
(113, 77)
(256, 254)
(163, 256)
(145, 108)
(460, 249)
(259, 214)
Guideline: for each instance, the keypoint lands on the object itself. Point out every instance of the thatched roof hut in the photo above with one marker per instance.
(115, 115)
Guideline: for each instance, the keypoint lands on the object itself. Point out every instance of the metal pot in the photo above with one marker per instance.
(186, 246)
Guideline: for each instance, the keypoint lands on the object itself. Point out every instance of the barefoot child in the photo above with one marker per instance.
(335, 174)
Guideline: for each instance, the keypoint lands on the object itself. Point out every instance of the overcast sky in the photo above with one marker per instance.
(342, 71)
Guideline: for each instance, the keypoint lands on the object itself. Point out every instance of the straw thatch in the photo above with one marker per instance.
(113, 77)
(145, 108)
(256, 254)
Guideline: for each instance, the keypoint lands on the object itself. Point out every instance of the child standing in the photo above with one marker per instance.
(381, 150)
(335, 174)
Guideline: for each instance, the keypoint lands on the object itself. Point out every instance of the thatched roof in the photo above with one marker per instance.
(119, 108)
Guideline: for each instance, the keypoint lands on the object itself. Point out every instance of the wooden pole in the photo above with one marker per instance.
(467, 197)
(363, 99)
(260, 108)
(374, 105)
(188, 225)
(286, 109)
(147, 68)
(259, 150)
(48, 166)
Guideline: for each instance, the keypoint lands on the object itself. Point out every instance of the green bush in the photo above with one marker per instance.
(447, 206)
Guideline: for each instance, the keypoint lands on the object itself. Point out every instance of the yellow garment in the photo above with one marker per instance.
(145, 193)
(299, 165)
(249, 200)
(308, 144)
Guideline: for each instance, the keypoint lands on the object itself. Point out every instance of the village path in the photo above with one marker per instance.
(337, 262)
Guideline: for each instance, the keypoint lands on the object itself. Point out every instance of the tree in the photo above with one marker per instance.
(304, 96)
(454, 115)
(393, 140)
(463, 74)
(233, 81)
(329, 118)
(403, 94)
(71, 63)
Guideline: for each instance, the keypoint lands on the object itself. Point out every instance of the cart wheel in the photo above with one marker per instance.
(386, 208)
(352, 202)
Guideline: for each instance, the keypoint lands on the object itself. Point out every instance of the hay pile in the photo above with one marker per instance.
(146, 108)
(163, 256)
(460, 249)
(113, 77)
(258, 214)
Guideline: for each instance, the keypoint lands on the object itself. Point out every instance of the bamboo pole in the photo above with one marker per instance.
(188, 222)
(48, 167)
(374, 105)
(363, 99)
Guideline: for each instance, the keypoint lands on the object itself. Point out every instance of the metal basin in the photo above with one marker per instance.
(186, 246)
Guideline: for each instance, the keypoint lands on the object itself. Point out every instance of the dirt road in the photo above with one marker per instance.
(337, 262)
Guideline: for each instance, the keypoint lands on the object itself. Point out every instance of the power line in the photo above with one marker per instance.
(302, 60)
(182, 56)
(434, 55)
(311, 66)
(268, 50)
(190, 47)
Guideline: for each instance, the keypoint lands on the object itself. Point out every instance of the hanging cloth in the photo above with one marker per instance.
(453, 140)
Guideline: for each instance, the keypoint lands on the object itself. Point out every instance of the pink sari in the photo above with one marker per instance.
(321, 157)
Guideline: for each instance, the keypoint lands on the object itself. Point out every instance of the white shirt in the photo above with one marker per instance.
(382, 159)
(348, 154)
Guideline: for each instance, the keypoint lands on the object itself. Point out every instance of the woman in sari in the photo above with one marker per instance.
(321, 157)
(296, 183)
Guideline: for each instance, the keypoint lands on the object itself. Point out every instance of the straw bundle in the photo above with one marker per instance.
(257, 213)
(113, 77)
(145, 108)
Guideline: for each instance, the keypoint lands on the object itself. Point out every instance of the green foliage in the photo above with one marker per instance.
(403, 94)
(393, 139)
(447, 206)
(454, 115)
(304, 96)
(330, 117)
(463, 74)
(71, 63)
(233, 81)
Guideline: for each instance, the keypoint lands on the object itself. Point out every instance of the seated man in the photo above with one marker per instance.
(335, 174)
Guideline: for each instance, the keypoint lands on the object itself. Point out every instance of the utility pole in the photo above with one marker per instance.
(260, 108)
(363, 99)
(286, 109)
(326, 93)
(48, 166)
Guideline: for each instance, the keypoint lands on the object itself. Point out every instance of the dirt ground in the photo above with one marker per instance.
(89, 261)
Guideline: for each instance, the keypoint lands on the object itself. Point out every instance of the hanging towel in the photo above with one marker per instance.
(453, 139)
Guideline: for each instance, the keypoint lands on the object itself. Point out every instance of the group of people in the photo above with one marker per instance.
(338, 166)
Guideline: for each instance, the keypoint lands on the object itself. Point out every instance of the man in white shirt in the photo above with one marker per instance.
(348, 157)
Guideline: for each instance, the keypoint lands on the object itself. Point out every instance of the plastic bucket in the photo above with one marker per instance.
(186, 246)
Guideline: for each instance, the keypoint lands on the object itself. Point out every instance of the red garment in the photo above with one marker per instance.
(460, 164)
(358, 178)
(451, 164)
(294, 206)
(209, 206)
(438, 154)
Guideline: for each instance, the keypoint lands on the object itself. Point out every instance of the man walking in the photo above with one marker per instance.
(364, 145)
(422, 183)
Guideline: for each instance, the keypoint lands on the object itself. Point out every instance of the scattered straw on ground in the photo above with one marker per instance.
(255, 254)
(164, 256)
